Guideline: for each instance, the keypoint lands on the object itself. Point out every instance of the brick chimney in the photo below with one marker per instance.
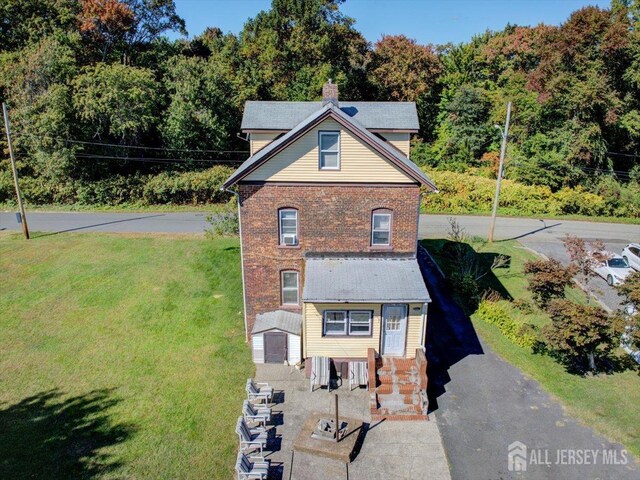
(330, 93)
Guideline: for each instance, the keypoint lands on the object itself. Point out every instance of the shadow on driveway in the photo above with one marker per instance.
(450, 333)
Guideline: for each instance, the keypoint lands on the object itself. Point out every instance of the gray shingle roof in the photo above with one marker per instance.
(280, 319)
(265, 153)
(364, 280)
(372, 115)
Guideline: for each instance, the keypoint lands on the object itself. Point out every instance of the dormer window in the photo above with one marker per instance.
(329, 146)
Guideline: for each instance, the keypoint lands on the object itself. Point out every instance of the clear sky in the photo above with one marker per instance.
(427, 21)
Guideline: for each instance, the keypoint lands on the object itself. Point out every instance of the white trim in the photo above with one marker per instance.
(321, 151)
(324, 322)
(280, 229)
(383, 322)
(289, 289)
(360, 334)
(374, 230)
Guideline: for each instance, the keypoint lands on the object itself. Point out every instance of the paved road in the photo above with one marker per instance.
(483, 404)
(542, 236)
(529, 231)
(109, 222)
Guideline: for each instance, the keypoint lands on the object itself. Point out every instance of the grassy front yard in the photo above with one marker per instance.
(121, 357)
(606, 402)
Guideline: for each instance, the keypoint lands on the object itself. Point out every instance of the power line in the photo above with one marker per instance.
(101, 144)
(152, 159)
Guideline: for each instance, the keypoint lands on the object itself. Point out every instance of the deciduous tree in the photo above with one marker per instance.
(580, 334)
(547, 280)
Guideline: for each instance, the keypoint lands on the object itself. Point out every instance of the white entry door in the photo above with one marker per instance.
(394, 329)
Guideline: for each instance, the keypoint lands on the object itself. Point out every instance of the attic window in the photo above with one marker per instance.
(329, 146)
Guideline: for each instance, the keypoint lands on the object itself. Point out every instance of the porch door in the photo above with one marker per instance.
(394, 329)
(275, 347)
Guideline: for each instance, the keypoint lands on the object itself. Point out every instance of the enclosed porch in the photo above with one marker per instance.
(354, 304)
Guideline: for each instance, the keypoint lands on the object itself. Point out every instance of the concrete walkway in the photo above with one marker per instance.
(391, 450)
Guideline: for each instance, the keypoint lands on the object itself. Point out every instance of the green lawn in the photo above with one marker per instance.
(607, 402)
(120, 356)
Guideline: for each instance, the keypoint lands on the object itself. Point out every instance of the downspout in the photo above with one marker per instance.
(418, 224)
(244, 291)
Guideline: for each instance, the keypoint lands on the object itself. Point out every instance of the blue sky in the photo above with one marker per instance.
(427, 21)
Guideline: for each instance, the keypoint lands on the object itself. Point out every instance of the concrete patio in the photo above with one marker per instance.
(391, 450)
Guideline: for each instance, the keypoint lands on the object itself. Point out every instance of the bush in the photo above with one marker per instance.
(193, 188)
(547, 280)
(499, 314)
(580, 334)
(187, 188)
(466, 285)
(224, 223)
(461, 193)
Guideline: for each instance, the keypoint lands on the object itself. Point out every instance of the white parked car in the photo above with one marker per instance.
(614, 270)
(631, 254)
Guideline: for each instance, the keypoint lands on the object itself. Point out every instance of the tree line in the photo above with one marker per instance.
(91, 82)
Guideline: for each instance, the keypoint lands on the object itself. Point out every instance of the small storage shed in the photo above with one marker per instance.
(276, 337)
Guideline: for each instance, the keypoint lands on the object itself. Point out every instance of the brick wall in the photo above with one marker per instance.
(331, 219)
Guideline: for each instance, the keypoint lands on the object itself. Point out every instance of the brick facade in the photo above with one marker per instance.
(333, 219)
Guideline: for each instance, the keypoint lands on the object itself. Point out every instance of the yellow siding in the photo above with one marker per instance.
(398, 140)
(414, 330)
(353, 346)
(299, 162)
(260, 140)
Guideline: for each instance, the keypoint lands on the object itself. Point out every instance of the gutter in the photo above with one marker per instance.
(244, 291)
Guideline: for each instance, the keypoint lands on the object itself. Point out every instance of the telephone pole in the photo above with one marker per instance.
(23, 216)
(503, 151)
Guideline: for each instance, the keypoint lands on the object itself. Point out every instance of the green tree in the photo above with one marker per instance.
(26, 22)
(465, 134)
(116, 101)
(200, 114)
(289, 52)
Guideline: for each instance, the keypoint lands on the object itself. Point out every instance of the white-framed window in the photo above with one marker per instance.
(289, 287)
(381, 228)
(329, 147)
(335, 322)
(288, 225)
(343, 322)
(360, 322)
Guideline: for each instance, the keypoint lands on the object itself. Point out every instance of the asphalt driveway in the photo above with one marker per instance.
(483, 404)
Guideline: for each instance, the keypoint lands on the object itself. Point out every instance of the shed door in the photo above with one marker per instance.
(275, 347)
(394, 329)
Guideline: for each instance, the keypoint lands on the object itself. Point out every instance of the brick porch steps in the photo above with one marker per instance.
(398, 387)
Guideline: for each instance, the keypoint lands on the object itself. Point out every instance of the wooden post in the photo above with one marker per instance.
(23, 216)
(337, 420)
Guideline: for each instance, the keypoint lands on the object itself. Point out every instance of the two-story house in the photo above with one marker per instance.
(329, 208)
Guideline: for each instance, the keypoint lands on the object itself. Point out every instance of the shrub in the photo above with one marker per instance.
(466, 285)
(224, 223)
(193, 188)
(580, 334)
(524, 306)
(499, 314)
(547, 280)
(469, 192)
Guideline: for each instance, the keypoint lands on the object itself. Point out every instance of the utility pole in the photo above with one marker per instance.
(23, 216)
(503, 151)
